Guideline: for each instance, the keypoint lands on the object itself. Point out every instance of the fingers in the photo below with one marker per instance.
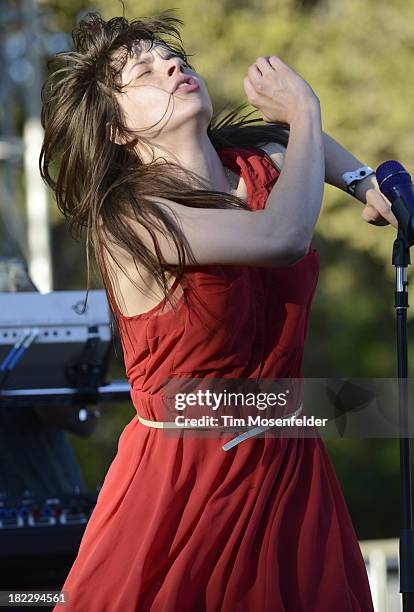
(263, 64)
(257, 71)
(378, 207)
(276, 62)
(255, 76)
(385, 211)
(254, 73)
(250, 90)
(372, 216)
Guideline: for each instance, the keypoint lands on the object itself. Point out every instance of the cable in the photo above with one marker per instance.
(16, 353)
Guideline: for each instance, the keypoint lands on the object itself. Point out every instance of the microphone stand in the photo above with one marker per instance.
(401, 259)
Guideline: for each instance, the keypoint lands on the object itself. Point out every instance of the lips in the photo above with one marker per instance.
(184, 79)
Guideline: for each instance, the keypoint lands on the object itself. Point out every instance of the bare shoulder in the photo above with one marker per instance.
(135, 290)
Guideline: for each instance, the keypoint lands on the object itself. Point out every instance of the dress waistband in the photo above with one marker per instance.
(233, 442)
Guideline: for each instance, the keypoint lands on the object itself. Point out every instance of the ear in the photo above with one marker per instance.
(114, 137)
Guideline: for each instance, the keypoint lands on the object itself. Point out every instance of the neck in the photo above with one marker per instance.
(199, 156)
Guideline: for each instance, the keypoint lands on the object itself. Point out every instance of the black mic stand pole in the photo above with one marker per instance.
(401, 259)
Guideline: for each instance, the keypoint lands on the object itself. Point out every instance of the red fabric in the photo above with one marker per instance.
(180, 524)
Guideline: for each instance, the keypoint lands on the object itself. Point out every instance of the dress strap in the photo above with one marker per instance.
(255, 167)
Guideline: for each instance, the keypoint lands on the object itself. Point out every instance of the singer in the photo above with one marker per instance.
(202, 232)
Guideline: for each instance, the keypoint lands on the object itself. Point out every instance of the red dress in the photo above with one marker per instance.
(181, 525)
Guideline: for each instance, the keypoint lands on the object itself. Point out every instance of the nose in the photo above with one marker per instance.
(174, 64)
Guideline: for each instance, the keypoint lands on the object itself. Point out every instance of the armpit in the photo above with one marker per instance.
(276, 153)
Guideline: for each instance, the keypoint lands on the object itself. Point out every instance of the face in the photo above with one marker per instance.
(151, 106)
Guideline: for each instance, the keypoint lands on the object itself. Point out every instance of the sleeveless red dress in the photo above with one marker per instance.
(181, 525)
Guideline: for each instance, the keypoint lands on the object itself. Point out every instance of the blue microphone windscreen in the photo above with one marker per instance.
(389, 174)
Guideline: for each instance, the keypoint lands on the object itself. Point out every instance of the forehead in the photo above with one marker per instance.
(124, 62)
(144, 48)
(139, 50)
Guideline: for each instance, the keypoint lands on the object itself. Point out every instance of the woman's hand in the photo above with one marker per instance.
(277, 91)
(377, 209)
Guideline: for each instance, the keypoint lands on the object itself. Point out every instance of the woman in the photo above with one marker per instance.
(200, 215)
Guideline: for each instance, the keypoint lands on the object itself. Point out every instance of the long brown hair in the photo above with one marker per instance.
(99, 184)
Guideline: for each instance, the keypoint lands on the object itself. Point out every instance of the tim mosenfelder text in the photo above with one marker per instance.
(251, 421)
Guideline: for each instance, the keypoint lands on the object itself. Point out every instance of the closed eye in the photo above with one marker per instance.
(148, 71)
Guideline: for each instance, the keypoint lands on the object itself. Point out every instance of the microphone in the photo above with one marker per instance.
(395, 183)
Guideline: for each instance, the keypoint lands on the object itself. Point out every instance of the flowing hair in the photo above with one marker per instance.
(100, 185)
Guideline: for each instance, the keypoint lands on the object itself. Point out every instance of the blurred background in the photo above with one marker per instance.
(356, 55)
